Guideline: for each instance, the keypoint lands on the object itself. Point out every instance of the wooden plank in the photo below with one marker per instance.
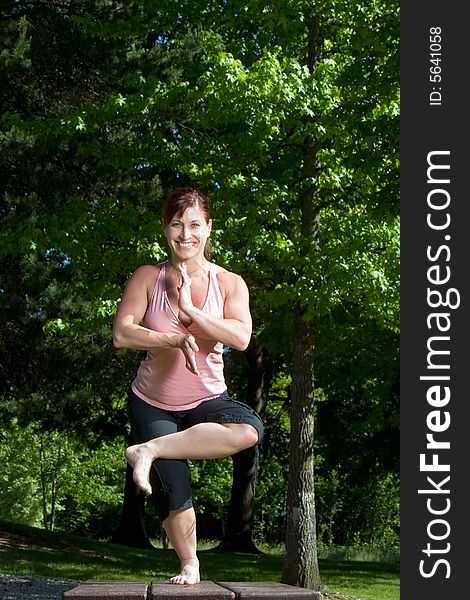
(102, 590)
(205, 589)
(137, 590)
(259, 590)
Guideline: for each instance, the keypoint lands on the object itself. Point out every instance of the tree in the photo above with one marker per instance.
(311, 132)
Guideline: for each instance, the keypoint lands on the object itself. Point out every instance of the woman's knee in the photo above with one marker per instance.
(246, 436)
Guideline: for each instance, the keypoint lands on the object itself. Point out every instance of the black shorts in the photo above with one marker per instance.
(171, 478)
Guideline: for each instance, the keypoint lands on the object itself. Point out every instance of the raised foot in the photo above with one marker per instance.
(140, 458)
(189, 575)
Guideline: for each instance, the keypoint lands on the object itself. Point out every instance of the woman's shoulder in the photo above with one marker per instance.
(147, 271)
(228, 280)
(146, 276)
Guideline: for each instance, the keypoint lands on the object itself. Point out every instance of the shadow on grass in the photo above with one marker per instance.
(362, 579)
(378, 569)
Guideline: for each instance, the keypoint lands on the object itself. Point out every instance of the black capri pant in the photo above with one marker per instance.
(170, 478)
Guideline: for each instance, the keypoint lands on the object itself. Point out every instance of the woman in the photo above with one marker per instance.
(183, 312)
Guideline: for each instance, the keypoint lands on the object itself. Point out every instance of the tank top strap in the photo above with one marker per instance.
(158, 293)
(215, 294)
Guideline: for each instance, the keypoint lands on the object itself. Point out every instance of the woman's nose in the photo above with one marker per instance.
(184, 233)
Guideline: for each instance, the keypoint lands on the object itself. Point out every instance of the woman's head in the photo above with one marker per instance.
(187, 218)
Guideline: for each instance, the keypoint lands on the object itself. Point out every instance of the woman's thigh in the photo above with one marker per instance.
(150, 422)
(224, 410)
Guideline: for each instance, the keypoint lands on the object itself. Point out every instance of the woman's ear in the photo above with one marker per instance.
(163, 229)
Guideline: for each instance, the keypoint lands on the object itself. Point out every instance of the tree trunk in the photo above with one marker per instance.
(43, 477)
(238, 534)
(301, 561)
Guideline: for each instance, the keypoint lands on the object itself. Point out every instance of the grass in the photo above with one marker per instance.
(30, 551)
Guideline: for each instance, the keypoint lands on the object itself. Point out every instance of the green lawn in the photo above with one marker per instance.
(29, 551)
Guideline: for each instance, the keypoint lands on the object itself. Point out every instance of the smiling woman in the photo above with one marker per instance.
(183, 312)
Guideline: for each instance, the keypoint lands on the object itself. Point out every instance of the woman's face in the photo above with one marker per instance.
(187, 233)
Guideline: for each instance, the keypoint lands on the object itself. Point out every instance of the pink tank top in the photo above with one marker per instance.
(162, 378)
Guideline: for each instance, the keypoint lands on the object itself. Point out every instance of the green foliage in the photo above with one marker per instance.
(93, 499)
(19, 485)
(212, 482)
(49, 479)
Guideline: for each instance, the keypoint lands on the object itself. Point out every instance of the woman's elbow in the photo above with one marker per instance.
(118, 341)
(242, 342)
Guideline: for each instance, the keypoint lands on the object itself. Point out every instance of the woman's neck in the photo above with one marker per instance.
(195, 266)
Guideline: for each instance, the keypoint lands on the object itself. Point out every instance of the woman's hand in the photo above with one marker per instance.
(189, 347)
(185, 302)
(188, 343)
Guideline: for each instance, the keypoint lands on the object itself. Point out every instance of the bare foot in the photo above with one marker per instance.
(189, 574)
(141, 458)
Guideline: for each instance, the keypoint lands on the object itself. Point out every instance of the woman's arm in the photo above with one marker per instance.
(127, 329)
(234, 329)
